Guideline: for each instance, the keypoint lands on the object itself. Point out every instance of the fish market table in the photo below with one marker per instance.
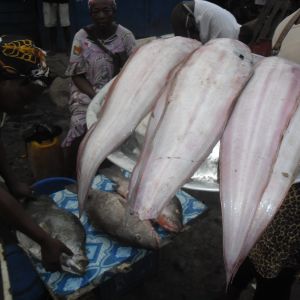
(107, 258)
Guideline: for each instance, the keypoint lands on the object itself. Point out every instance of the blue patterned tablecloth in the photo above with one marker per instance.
(104, 253)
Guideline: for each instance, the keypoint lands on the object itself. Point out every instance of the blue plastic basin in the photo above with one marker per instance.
(51, 185)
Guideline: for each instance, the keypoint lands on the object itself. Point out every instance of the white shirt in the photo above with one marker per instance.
(260, 2)
(290, 47)
(214, 21)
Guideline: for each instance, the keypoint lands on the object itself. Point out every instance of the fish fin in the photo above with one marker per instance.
(88, 183)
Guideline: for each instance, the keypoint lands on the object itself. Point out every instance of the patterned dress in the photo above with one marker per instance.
(87, 58)
(279, 246)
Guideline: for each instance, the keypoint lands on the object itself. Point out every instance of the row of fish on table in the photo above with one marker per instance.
(197, 95)
(106, 212)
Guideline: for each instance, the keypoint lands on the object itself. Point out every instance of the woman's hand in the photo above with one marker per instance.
(51, 250)
(84, 85)
(13, 214)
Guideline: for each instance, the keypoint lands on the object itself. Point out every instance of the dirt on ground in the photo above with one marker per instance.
(191, 267)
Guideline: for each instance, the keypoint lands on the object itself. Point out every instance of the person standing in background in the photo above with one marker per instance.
(203, 21)
(260, 2)
(56, 13)
(289, 42)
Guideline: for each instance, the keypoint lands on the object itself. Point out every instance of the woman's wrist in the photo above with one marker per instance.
(44, 239)
(84, 85)
(10, 181)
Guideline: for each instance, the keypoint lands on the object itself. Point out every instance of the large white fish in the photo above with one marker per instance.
(200, 101)
(131, 96)
(154, 119)
(259, 156)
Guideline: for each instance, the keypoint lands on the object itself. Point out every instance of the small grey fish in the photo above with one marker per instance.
(109, 212)
(170, 217)
(60, 224)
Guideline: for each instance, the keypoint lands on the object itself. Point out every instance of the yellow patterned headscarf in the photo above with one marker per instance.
(19, 57)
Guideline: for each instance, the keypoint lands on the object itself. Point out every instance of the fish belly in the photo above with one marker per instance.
(255, 167)
(154, 119)
(130, 98)
(199, 104)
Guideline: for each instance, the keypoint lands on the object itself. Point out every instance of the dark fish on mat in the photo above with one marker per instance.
(170, 217)
(60, 224)
(108, 212)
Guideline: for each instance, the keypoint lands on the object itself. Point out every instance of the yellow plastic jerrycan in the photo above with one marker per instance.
(44, 153)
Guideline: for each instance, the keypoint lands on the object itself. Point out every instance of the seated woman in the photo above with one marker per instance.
(98, 53)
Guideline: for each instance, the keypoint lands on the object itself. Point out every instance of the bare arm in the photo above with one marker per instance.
(18, 189)
(5, 171)
(13, 214)
(83, 85)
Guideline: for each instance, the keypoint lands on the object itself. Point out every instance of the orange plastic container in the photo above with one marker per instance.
(45, 158)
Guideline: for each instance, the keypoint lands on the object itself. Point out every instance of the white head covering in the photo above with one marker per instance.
(290, 47)
(214, 21)
(91, 2)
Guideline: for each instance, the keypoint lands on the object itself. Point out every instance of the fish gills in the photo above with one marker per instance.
(170, 218)
(130, 98)
(250, 154)
(200, 101)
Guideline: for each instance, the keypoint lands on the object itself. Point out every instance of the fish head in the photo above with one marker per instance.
(75, 264)
(172, 223)
(171, 217)
(140, 233)
(149, 240)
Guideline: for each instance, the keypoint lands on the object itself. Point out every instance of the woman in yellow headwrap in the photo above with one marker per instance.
(23, 76)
